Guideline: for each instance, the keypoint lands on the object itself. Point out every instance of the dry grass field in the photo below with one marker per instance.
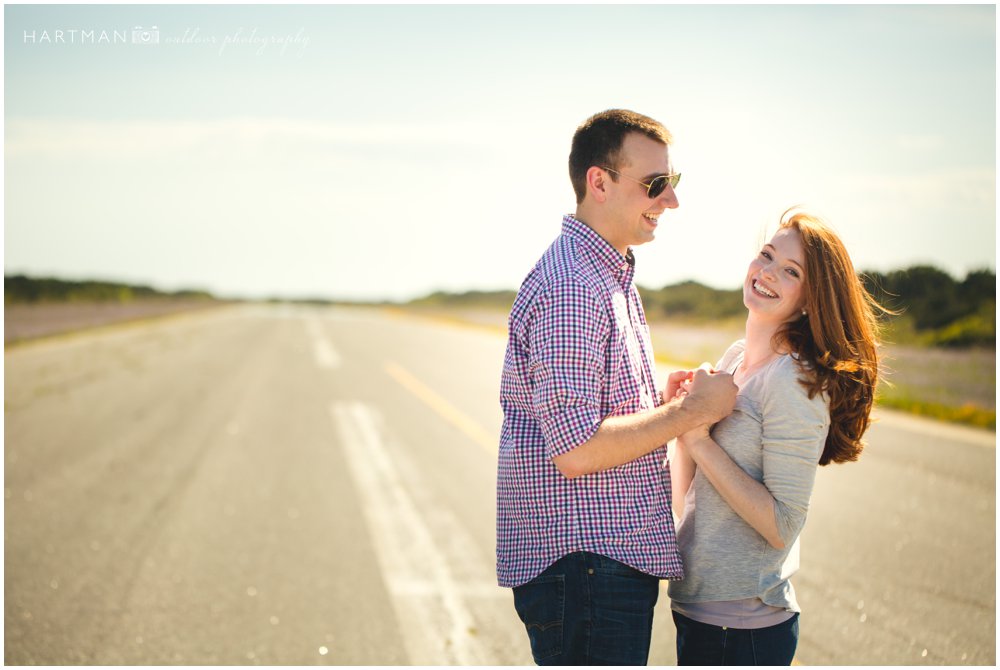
(950, 384)
(26, 322)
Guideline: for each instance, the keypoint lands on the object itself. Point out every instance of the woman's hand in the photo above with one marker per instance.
(679, 381)
(675, 382)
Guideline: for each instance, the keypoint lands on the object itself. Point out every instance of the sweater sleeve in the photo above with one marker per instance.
(794, 430)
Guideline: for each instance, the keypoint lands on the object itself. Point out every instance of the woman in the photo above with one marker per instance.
(806, 374)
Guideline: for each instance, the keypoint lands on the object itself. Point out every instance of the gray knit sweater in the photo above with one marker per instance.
(776, 435)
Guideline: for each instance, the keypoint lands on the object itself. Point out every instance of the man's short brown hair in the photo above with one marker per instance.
(598, 141)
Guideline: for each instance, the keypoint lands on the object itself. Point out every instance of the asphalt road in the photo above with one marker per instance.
(276, 486)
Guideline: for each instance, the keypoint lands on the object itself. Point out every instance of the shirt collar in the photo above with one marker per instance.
(598, 245)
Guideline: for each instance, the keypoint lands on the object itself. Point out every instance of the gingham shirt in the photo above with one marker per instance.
(578, 352)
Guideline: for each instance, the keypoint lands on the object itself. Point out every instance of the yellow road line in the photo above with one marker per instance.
(444, 408)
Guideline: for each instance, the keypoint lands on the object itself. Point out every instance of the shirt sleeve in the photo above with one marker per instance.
(566, 364)
(794, 433)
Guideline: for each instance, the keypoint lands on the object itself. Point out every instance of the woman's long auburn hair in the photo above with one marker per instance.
(837, 338)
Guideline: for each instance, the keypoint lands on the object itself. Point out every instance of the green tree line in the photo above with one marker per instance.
(937, 309)
(21, 289)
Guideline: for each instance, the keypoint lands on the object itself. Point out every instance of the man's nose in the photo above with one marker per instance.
(669, 198)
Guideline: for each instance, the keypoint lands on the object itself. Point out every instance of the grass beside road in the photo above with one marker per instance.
(956, 385)
(968, 414)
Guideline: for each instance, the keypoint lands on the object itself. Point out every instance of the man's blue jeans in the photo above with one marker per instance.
(704, 644)
(586, 609)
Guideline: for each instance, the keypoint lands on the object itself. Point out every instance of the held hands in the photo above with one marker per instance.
(688, 439)
(711, 394)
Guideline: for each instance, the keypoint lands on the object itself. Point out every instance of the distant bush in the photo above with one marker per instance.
(486, 299)
(21, 289)
(975, 329)
(690, 299)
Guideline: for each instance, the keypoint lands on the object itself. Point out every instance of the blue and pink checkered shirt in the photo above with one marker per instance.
(578, 352)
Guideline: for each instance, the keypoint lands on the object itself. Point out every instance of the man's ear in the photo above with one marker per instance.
(596, 183)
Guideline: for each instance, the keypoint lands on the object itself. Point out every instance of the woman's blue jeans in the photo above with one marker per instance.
(704, 644)
(586, 609)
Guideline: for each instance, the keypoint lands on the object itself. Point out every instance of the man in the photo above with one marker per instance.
(584, 526)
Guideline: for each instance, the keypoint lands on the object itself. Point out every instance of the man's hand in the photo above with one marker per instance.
(711, 394)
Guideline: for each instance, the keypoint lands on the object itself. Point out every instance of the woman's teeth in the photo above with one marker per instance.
(763, 290)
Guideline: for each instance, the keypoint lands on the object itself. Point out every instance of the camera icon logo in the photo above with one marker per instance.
(141, 36)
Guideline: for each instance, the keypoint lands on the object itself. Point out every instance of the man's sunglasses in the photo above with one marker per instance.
(657, 185)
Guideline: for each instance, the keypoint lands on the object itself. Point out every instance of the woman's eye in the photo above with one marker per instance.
(793, 272)
(765, 255)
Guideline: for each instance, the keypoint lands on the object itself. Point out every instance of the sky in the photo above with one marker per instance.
(384, 152)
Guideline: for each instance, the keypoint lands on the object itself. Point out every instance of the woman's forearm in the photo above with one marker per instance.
(748, 497)
(682, 469)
